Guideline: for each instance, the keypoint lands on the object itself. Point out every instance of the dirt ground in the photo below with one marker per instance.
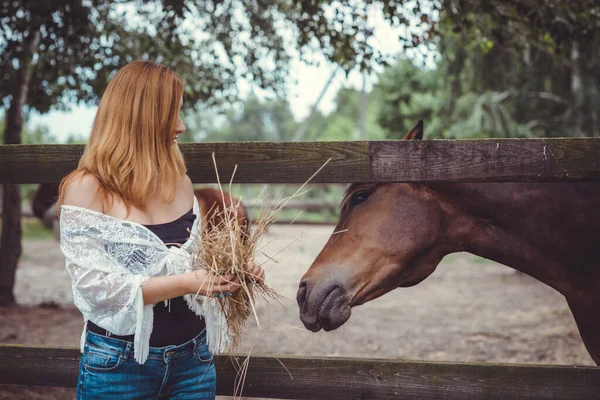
(470, 309)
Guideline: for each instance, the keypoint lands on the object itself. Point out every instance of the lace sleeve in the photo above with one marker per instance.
(108, 264)
(104, 292)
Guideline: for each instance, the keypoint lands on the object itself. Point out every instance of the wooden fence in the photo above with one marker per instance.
(340, 378)
(491, 160)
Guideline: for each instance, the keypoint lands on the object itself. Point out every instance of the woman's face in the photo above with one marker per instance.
(180, 127)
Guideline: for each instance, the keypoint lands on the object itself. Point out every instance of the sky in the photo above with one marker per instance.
(301, 94)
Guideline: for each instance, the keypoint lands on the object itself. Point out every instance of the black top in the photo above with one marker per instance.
(178, 324)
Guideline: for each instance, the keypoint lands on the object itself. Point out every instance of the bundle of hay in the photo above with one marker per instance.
(227, 247)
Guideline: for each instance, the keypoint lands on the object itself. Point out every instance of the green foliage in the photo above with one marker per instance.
(551, 22)
(344, 122)
(340, 127)
(273, 120)
(252, 120)
(33, 229)
(76, 139)
(317, 126)
(505, 69)
(39, 134)
(407, 93)
(83, 43)
(312, 216)
(545, 54)
(483, 116)
(483, 44)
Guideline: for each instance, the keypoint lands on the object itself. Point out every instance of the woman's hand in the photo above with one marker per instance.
(256, 271)
(206, 284)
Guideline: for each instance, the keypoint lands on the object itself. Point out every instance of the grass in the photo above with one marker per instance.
(33, 229)
(480, 260)
(312, 216)
(471, 258)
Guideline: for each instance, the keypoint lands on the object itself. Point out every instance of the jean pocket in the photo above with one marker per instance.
(102, 360)
(203, 354)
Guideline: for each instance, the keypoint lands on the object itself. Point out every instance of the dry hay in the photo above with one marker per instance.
(226, 247)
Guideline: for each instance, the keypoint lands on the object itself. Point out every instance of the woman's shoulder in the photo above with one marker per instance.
(187, 188)
(82, 191)
(187, 182)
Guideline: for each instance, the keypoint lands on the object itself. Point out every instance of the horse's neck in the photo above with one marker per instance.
(547, 230)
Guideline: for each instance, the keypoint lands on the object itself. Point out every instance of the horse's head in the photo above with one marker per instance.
(213, 205)
(390, 238)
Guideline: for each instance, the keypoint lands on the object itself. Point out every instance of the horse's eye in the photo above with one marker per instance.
(359, 198)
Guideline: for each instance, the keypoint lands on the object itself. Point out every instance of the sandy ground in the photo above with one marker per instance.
(470, 309)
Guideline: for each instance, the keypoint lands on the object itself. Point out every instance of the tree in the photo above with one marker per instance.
(546, 54)
(506, 68)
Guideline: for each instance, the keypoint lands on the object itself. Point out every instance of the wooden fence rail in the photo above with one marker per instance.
(340, 378)
(376, 161)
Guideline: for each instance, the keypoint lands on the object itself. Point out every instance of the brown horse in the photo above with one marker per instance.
(398, 233)
(210, 201)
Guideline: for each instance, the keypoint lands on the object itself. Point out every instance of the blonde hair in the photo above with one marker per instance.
(131, 150)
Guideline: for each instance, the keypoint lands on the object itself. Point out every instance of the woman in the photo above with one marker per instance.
(127, 219)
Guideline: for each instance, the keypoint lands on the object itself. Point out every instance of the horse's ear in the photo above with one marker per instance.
(415, 133)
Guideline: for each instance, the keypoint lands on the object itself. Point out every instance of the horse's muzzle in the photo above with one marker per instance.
(323, 306)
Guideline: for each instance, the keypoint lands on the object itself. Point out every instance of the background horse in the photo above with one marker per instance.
(397, 233)
(211, 208)
(210, 201)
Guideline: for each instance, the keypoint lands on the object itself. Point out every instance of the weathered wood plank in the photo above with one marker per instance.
(340, 378)
(37, 163)
(258, 162)
(383, 161)
(487, 160)
(278, 162)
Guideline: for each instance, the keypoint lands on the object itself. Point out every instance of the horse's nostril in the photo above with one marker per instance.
(301, 295)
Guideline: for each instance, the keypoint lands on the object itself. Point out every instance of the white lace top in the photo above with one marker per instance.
(109, 259)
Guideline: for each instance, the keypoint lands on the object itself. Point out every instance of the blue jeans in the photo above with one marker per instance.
(109, 371)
